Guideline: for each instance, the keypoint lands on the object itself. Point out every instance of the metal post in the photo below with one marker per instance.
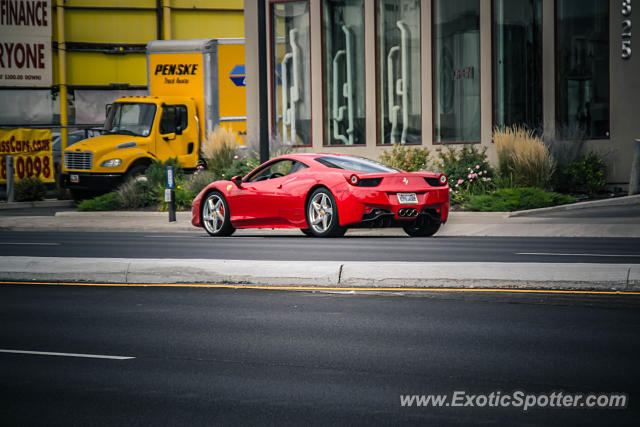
(10, 180)
(170, 195)
(634, 179)
(262, 81)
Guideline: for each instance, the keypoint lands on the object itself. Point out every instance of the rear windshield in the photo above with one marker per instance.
(355, 164)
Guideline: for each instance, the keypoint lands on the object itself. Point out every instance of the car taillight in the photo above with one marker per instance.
(443, 179)
(354, 180)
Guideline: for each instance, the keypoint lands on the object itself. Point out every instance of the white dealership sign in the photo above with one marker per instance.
(25, 43)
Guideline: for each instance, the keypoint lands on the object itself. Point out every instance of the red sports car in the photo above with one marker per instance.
(323, 195)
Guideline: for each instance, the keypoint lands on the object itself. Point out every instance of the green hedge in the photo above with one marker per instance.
(515, 199)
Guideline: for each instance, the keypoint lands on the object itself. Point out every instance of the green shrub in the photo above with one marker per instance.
(239, 166)
(467, 169)
(514, 199)
(136, 194)
(405, 157)
(586, 175)
(156, 173)
(566, 145)
(195, 183)
(105, 202)
(183, 198)
(29, 189)
(523, 157)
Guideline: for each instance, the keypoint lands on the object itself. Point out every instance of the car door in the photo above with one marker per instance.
(257, 201)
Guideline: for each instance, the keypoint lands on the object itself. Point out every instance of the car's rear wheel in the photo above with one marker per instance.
(425, 229)
(322, 215)
(215, 215)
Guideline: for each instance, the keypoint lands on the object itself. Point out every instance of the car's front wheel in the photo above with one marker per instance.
(215, 215)
(425, 229)
(322, 215)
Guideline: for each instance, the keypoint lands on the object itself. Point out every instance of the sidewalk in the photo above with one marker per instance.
(577, 220)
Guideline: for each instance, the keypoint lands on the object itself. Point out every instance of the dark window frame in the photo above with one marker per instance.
(434, 83)
(558, 134)
(323, 53)
(274, 111)
(493, 74)
(377, 83)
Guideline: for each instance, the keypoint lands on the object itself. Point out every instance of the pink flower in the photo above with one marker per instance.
(485, 172)
(477, 166)
(460, 181)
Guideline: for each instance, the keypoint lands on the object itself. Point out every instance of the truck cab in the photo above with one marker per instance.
(137, 130)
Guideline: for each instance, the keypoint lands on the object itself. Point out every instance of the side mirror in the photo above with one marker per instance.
(108, 109)
(237, 180)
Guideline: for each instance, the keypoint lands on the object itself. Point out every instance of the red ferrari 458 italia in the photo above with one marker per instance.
(323, 195)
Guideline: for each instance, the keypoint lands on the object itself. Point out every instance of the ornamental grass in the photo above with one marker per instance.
(523, 159)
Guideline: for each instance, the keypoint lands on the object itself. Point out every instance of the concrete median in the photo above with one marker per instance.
(408, 275)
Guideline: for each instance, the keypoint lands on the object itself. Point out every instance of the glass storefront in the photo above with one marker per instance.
(456, 71)
(582, 61)
(291, 72)
(343, 71)
(398, 71)
(517, 63)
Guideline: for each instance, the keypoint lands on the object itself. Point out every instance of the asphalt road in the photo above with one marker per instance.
(302, 248)
(222, 356)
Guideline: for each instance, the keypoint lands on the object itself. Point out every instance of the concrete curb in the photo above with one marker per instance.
(39, 204)
(324, 274)
(618, 201)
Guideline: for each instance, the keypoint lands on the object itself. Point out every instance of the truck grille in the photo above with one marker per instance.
(78, 161)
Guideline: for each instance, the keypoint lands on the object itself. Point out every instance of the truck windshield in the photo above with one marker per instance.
(130, 118)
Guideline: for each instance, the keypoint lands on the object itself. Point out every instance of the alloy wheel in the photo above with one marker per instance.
(213, 214)
(320, 213)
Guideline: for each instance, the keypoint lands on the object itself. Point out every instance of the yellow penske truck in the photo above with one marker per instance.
(194, 86)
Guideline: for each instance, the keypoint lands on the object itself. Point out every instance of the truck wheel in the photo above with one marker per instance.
(135, 172)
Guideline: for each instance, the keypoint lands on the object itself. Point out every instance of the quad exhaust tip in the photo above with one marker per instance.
(408, 212)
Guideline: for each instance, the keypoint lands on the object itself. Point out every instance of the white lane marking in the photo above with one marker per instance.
(562, 254)
(47, 353)
(31, 243)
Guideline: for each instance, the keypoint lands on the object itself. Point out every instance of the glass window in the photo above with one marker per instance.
(456, 70)
(174, 119)
(398, 71)
(277, 169)
(517, 63)
(344, 105)
(355, 164)
(291, 72)
(583, 66)
(130, 118)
